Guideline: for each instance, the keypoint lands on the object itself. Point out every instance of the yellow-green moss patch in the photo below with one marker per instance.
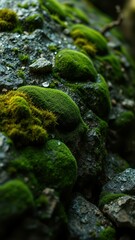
(22, 121)
(8, 19)
(91, 35)
(58, 102)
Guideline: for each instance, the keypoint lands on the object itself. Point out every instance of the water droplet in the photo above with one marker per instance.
(1, 165)
(59, 143)
(45, 84)
(122, 188)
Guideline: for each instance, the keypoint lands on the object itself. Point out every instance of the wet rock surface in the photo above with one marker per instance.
(121, 211)
(68, 159)
(81, 224)
(121, 183)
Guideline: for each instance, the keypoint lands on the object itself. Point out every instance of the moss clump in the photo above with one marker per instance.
(33, 22)
(15, 199)
(72, 13)
(8, 20)
(86, 46)
(74, 66)
(54, 7)
(111, 67)
(107, 198)
(53, 165)
(91, 35)
(58, 102)
(22, 121)
(108, 233)
(124, 119)
(24, 58)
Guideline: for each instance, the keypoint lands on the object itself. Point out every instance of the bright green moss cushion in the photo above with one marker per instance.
(58, 102)
(15, 199)
(74, 66)
(91, 35)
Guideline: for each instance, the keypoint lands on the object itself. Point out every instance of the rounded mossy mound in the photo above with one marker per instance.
(67, 112)
(74, 66)
(124, 120)
(54, 7)
(8, 19)
(80, 31)
(15, 200)
(53, 165)
(75, 13)
(22, 121)
(110, 66)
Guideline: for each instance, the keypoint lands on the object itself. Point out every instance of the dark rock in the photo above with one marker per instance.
(121, 211)
(123, 182)
(85, 220)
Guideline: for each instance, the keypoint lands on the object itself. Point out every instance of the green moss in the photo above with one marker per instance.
(74, 13)
(53, 165)
(102, 96)
(86, 47)
(74, 66)
(33, 22)
(54, 7)
(110, 66)
(8, 19)
(108, 233)
(91, 35)
(42, 201)
(24, 58)
(21, 74)
(96, 96)
(22, 121)
(15, 199)
(25, 6)
(107, 198)
(58, 102)
(59, 21)
(124, 120)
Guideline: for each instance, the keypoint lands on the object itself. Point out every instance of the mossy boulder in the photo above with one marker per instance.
(15, 200)
(92, 36)
(8, 19)
(53, 165)
(58, 102)
(22, 121)
(74, 66)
